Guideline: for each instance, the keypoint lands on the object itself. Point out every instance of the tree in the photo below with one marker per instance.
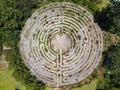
(109, 18)
(11, 22)
(115, 27)
(114, 54)
(26, 6)
(1, 45)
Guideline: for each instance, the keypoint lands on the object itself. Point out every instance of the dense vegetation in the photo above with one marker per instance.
(114, 58)
(1, 44)
(11, 22)
(14, 13)
(12, 19)
(111, 76)
(109, 20)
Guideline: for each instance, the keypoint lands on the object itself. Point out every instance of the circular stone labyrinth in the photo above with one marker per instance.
(61, 44)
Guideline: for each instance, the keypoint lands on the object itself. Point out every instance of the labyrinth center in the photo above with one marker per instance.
(61, 44)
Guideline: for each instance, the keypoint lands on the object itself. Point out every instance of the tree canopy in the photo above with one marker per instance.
(114, 56)
(12, 19)
(109, 18)
(11, 22)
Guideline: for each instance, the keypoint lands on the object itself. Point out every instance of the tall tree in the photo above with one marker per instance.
(114, 55)
(11, 21)
(109, 17)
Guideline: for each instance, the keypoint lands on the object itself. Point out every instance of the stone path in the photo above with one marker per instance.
(61, 44)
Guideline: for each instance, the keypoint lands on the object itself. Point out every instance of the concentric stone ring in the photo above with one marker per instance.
(61, 44)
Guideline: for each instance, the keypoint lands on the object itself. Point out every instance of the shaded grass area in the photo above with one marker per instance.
(7, 82)
(91, 86)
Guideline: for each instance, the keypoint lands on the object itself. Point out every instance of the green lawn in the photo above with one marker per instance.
(7, 82)
(48, 88)
(104, 4)
(91, 86)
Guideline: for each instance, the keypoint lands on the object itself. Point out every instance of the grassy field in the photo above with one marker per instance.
(48, 88)
(91, 86)
(104, 4)
(7, 82)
